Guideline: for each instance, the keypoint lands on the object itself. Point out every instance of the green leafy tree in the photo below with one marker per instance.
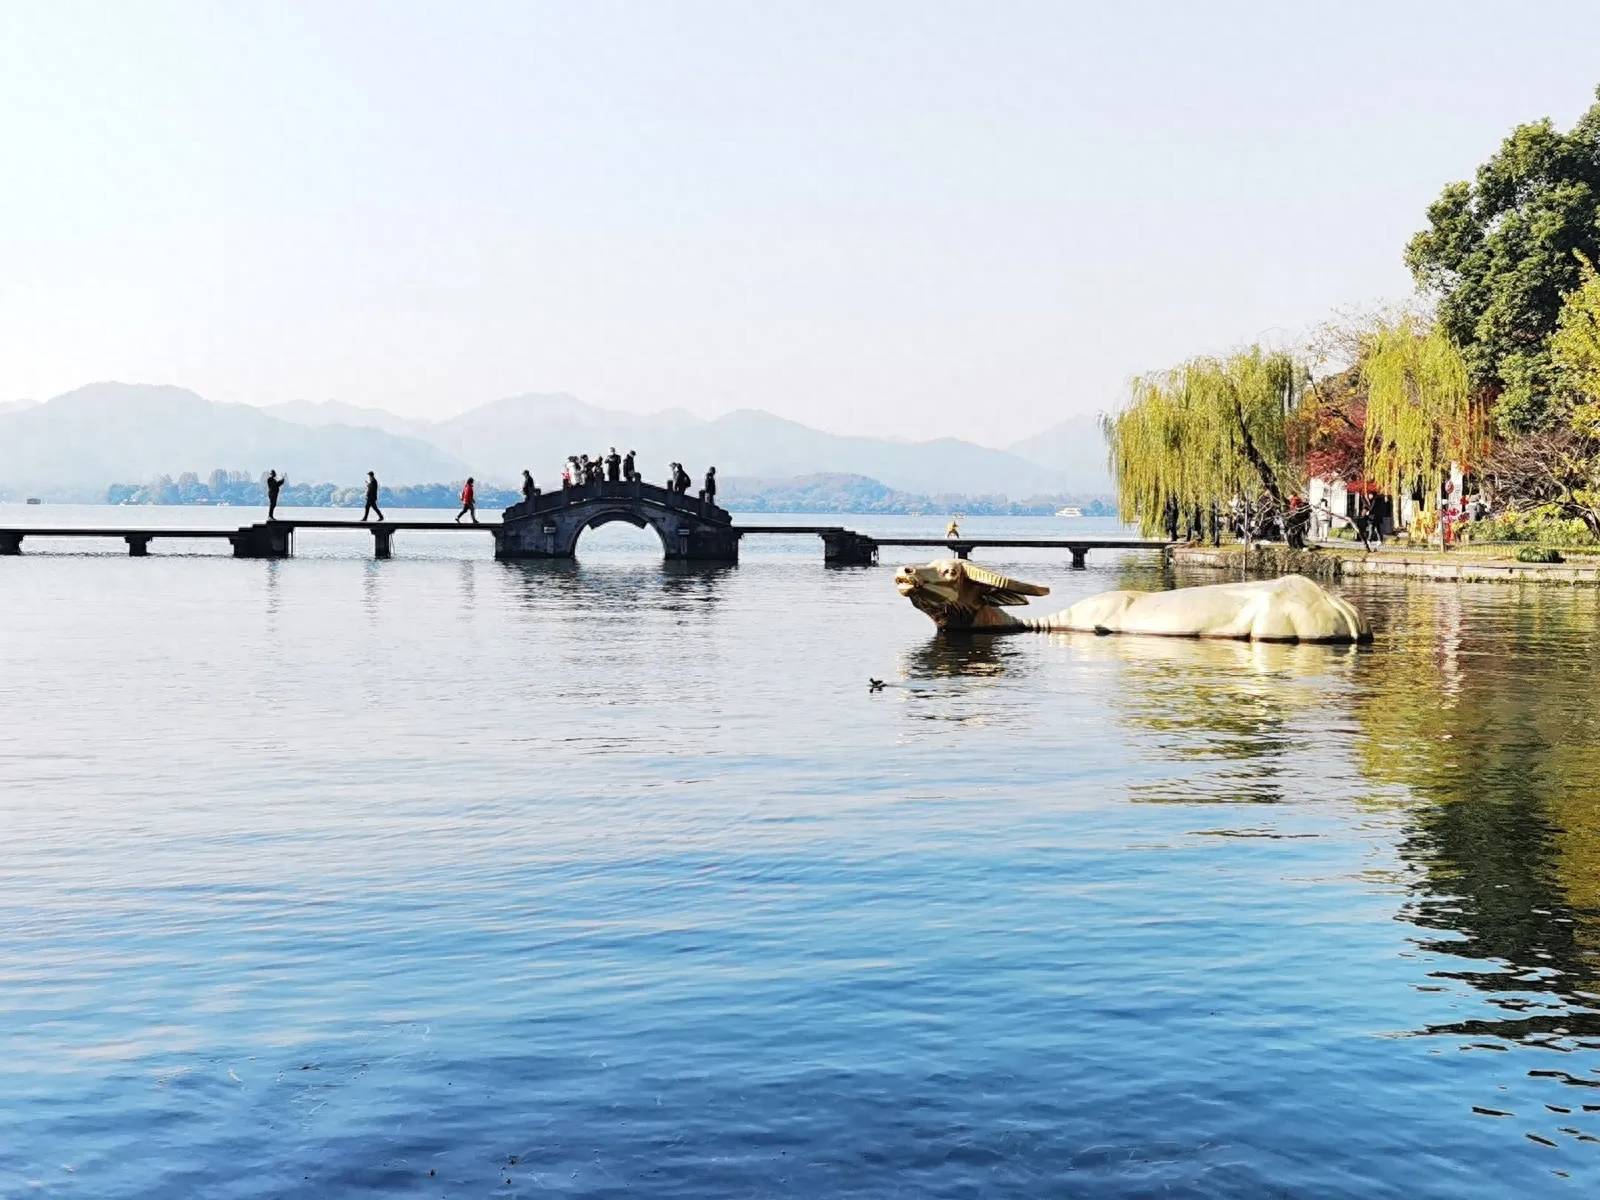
(1553, 475)
(1575, 350)
(1498, 257)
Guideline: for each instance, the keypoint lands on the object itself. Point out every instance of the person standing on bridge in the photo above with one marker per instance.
(529, 491)
(628, 473)
(274, 486)
(614, 466)
(372, 498)
(708, 494)
(469, 502)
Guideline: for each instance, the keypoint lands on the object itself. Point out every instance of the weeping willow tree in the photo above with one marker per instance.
(1207, 433)
(1420, 411)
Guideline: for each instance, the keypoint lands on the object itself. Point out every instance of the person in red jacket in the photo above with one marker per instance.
(469, 503)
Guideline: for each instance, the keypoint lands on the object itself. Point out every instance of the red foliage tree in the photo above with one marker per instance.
(1326, 436)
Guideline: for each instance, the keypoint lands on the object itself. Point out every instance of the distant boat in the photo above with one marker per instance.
(1071, 510)
(34, 500)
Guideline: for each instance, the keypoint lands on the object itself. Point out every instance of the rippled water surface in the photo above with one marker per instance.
(445, 877)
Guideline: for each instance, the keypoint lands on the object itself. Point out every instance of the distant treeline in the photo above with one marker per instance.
(242, 488)
(839, 493)
(827, 493)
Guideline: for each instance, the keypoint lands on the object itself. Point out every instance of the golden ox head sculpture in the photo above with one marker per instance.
(958, 594)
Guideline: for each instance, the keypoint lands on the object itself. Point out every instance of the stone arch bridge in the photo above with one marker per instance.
(550, 524)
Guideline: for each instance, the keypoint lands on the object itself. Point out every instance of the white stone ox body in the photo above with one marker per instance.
(960, 595)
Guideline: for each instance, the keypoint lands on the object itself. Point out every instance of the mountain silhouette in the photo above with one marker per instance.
(73, 446)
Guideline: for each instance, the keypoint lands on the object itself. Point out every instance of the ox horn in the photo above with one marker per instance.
(1008, 591)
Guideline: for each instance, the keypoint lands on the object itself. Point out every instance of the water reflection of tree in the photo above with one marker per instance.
(1478, 704)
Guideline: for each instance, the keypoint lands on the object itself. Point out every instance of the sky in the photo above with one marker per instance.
(906, 219)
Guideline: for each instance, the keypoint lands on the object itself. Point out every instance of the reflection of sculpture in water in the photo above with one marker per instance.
(1237, 720)
(957, 594)
(967, 681)
(944, 658)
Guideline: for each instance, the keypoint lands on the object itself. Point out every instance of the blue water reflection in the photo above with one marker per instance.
(335, 877)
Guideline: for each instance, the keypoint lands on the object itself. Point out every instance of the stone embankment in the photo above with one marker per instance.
(1466, 564)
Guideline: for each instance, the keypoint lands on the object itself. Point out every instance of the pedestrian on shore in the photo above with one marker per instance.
(709, 492)
(372, 498)
(529, 491)
(614, 466)
(628, 473)
(1295, 522)
(274, 486)
(1321, 520)
(1361, 521)
(953, 529)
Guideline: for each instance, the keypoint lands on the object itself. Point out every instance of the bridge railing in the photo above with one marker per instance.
(636, 490)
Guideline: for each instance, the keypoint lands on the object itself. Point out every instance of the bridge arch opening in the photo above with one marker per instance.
(619, 534)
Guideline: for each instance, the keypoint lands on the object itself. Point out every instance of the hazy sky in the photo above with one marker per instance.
(908, 218)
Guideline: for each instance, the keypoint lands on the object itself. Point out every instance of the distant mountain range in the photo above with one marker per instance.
(1076, 448)
(73, 446)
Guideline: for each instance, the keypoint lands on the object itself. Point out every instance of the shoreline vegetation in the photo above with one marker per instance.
(819, 493)
(1498, 563)
(1467, 413)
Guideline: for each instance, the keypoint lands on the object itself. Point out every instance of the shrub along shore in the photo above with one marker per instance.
(1497, 563)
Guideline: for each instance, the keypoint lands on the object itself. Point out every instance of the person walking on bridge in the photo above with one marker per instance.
(614, 466)
(708, 494)
(274, 486)
(469, 502)
(372, 498)
(529, 491)
(628, 473)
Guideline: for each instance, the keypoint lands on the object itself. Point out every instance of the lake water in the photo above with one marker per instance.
(446, 877)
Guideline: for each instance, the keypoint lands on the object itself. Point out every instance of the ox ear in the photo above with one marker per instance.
(1002, 590)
